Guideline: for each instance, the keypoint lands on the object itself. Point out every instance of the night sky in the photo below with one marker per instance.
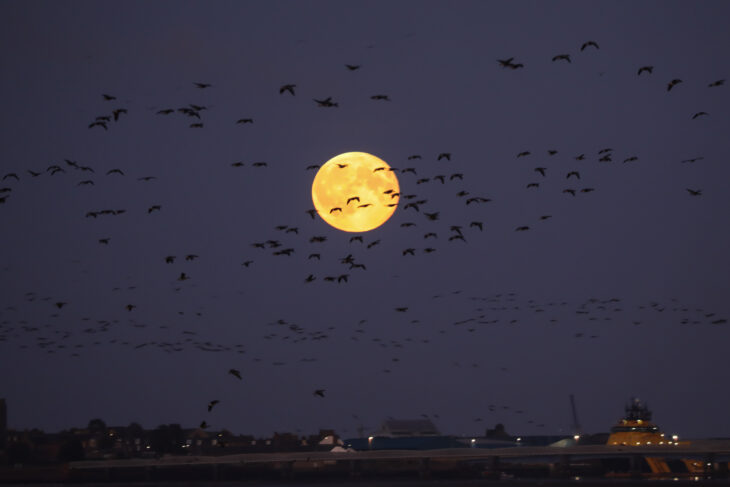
(615, 291)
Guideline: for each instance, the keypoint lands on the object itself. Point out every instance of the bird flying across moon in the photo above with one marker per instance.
(351, 177)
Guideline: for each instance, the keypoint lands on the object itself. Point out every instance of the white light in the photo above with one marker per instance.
(675, 437)
(519, 439)
(576, 437)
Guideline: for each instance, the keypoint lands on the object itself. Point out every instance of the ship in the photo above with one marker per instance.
(637, 429)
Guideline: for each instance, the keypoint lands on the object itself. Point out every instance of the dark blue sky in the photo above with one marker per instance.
(622, 292)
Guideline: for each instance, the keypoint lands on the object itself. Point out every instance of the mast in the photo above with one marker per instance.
(577, 430)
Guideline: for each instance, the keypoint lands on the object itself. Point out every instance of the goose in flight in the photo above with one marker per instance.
(287, 87)
(648, 69)
(565, 57)
(589, 43)
(505, 62)
(444, 155)
(673, 83)
(327, 102)
(117, 112)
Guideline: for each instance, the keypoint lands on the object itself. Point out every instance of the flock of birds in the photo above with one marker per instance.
(427, 182)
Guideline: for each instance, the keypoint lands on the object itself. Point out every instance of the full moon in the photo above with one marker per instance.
(355, 192)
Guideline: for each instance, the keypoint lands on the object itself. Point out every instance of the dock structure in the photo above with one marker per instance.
(714, 456)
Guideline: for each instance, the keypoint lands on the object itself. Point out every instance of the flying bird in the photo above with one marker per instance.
(288, 87)
(318, 392)
(573, 173)
(203, 85)
(648, 69)
(673, 83)
(212, 404)
(699, 114)
(327, 102)
(541, 170)
(244, 120)
(444, 155)
(505, 62)
(695, 192)
(235, 373)
(719, 82)
(117, 112)
(589, 43)
(565, 57)
(352, 67)
(380, 97)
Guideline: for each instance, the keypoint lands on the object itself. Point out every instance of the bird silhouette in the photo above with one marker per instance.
(118, 112)
(327, 102)
(673, 83)
(541, 170)
(352, 67)
(695, 192)
(288, 87)
(589, 43)
(699, 114)
(719, 82)
(380, 97)
(565, 57)
(648, 69)
(244, 120)
(212, 404)
(573, 173)
(444, 155)
(337, 208)
(235, 373)
(319, 392)
(505, 62)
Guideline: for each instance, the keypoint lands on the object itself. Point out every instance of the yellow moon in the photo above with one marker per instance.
(355, 192)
